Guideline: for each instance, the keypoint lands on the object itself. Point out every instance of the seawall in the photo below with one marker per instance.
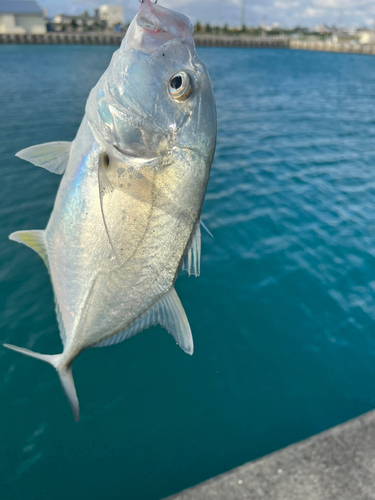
(98, 38)
(327, 46)
(338, 464)
(55, 38)
(241, 41)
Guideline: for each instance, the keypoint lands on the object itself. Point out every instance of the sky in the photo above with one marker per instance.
(218, 12)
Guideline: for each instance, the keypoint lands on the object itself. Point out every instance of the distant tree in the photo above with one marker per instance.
(198, 27)
(74, 24)
(225, 29)
(208, 28)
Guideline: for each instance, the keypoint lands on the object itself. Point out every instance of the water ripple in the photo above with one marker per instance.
(282, 315)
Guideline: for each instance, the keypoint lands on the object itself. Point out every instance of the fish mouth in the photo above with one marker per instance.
(154, 25)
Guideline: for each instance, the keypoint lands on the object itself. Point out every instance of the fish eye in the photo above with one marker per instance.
(180, 87)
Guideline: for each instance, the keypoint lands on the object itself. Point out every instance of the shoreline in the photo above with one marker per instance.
(337, 464)
(98, 38)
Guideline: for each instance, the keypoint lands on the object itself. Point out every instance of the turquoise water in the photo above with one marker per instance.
(282, 315)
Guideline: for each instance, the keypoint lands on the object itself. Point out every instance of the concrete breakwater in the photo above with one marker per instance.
(115, 39)
(328, 46)
(241, 41)
(55, 38)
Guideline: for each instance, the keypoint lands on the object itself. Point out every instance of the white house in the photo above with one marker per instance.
(112, 14)
(21, 16)
(366, 36)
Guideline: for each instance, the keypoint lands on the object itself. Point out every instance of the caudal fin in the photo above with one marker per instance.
(67, 382)
(65, 374)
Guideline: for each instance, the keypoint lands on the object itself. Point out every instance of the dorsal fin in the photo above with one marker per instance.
(34, 239)
(167, 312)
(53, 156)
(192, 260)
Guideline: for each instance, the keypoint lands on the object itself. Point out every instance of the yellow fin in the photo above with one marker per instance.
(34, 239)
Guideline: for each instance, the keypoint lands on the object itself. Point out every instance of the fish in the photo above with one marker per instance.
(126, 217)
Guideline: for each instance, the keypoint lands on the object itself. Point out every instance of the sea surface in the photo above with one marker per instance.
(282, 314)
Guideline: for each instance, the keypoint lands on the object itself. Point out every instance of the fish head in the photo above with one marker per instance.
(156, 96)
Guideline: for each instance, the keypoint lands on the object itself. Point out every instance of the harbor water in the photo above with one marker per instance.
(282, 315)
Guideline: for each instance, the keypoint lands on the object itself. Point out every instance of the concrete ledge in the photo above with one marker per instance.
(103, 38)
(201, 40)
(57, 38)
(241, 41)
(328, 46)
(338, 464)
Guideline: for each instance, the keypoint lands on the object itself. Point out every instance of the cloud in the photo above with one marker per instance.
(285, 5)
(171, 4)
(341, 4)
(310, 12)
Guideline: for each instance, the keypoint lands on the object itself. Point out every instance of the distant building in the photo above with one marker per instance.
(65, 22)
(21, 16)
(112, 15)
(323, 29)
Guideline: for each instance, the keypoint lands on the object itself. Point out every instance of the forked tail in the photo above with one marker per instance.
(65, 374)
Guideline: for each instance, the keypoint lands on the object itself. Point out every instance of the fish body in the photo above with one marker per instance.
(127, 211)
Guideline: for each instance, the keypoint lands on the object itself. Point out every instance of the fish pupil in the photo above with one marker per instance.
(176, 82)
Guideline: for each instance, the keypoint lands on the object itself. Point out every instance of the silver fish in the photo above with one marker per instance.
(126, 215)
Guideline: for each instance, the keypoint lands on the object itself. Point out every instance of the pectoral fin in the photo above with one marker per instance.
(53, 156)
(167, 312)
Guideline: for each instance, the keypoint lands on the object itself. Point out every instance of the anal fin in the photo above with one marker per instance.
(167, 312)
